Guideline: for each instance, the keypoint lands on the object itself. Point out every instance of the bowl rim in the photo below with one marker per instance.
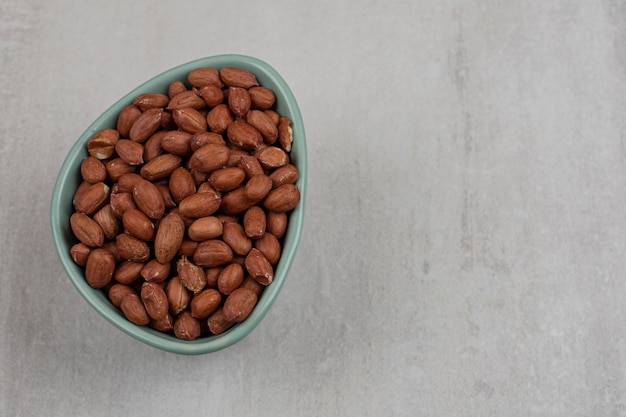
(96, 298)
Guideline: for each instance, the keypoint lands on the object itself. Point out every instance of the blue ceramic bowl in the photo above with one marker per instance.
(69, 178)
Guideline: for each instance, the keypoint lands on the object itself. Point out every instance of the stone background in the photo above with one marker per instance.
(463, 248)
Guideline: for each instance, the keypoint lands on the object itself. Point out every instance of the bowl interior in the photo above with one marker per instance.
(69, 178)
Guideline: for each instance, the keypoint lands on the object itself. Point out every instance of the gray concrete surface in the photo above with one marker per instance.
(463, 249)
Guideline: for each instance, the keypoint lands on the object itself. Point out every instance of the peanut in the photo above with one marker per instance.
(183, 206)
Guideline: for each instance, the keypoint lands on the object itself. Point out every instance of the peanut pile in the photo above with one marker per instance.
(183, 207)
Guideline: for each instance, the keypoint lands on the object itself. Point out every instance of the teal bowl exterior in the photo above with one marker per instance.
(69, 178)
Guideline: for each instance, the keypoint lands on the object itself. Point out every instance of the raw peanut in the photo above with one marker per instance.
(160, 167)
(235, 156)
(108, 217)
(80, 190)
(167, 197)
(259, 267)
(269, 246)
(120, 202)
(148, 199)
(126, 182)
(205, 228)
(234, 235)
(209, 157)
(262, 122)
(92, 199)
(117, 292)
(239, 101)
(285, 133)
(154, 300)
(201, 204)
(254, 222)
(237, 77)
(154, 271)
(111, 247)
(102, 144)
(152, 146)
(276, 223)
(92, 170)
(190, 275)
(151, 101)
(169, 237)
(274, 116)
(181, 184)
(177, 142)
(250, 165)
(257, 187)
(164, 325)
(204, 303)
(110, 225)
(252, 284)
(200, 77)
(242, 134)
(134, 310)
(178, 296)
(128, 272)
(219, 118)
(169, 124)
(217, 322)
(211, 275)
(205, 187)
(255, 152)
(131, 248)
(239, 304)
(227, 179)
(187, 248)
(287, 174)
(203, 138)
(87, 230)
(230, 278)
(262, 97)
(175, 88)
(236, 202)
(211, 95)
(282, 199)
(212, 253)
(126, 118)
(272, 157)
(79, 253)
(186, 99)
(145, 125)
(138, 224)
(186, 327)
(117, 167)
(129, 151)
(99, 268)
(190, 120)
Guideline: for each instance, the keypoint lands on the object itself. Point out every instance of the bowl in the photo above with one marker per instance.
(69, 178)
